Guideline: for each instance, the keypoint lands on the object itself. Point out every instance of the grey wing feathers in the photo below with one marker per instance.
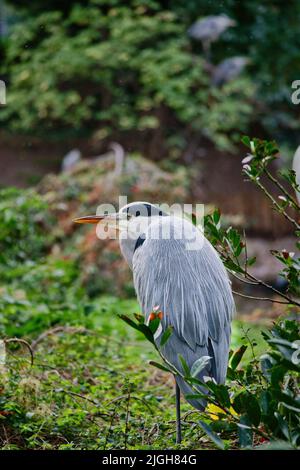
(193, 291)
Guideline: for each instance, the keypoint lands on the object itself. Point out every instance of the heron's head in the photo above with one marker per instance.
(130, 223)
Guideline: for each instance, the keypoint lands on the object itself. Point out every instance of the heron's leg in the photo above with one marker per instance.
(178, 422)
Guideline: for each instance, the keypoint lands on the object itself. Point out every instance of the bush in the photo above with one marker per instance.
(114, 69)
(108, 70)
(24, 220)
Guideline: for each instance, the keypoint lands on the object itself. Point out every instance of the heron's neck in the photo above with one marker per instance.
(129, 233)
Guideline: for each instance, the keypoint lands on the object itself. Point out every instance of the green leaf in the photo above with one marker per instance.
(212, 435)
(160, 366)
(220, 392)
(266, 364)
(231, 375)
(199, 365)
(292, 408)
(277, 374)
(247, 404)
(245, 432)
(232, 266)
(252, 409)
(147, 333)
(238, 403)
(216, 216)
(237, 356)
(283, 425)
(139, 327)
(140, 318)
(275, 445)
(195, 396)
(194, 219)
(185, 367)
(246, 140)
(130, 322)
(251, 261)
(154, 324)
(265, 402)
(166, 335)
(194, 380)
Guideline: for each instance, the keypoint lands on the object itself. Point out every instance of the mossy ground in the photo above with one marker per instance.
(91, 387)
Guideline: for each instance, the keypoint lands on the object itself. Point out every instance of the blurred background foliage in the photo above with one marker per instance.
(129, 71)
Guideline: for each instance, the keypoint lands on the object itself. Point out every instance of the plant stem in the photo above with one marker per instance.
(275, 203)
(282, 188)
(268, 299)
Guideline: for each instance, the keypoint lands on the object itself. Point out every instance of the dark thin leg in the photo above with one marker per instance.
(178, 423)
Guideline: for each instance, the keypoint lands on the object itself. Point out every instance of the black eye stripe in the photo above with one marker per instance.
(149, 208)
(139, 242)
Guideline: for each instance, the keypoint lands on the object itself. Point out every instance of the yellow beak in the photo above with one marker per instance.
(89, 219)
(110, 219)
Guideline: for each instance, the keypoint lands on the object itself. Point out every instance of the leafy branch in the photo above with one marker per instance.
(232, 246)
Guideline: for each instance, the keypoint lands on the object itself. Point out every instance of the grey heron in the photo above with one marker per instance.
(71, 159)
(228, 69)
(176, 268)
(209, 29)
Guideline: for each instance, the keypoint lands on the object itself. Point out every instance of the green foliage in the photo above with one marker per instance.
(270, 404)
(37, 296)
(232, 245)
(24, 221)
(114, 69)
(75, 395)
(86, 364)
(267, 34)
(261, 401)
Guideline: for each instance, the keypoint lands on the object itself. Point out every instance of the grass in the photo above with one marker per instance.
(91, 387)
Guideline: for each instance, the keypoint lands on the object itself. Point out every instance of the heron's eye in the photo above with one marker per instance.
(138, 213)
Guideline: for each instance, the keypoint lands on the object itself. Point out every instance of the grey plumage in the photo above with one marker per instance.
(176, 268)
(210, 28)
(71, 159)
(228, 69)
(193, 291)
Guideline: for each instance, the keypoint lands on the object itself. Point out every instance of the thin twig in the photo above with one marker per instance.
(22, 341)
(123, 397)
(68, 392)
(59, 329)
(127, 418)
(113, 415)
(282, 188)
(268, 299)
(278, 207)
(244, 280)
(246, 251)
(268, 286)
